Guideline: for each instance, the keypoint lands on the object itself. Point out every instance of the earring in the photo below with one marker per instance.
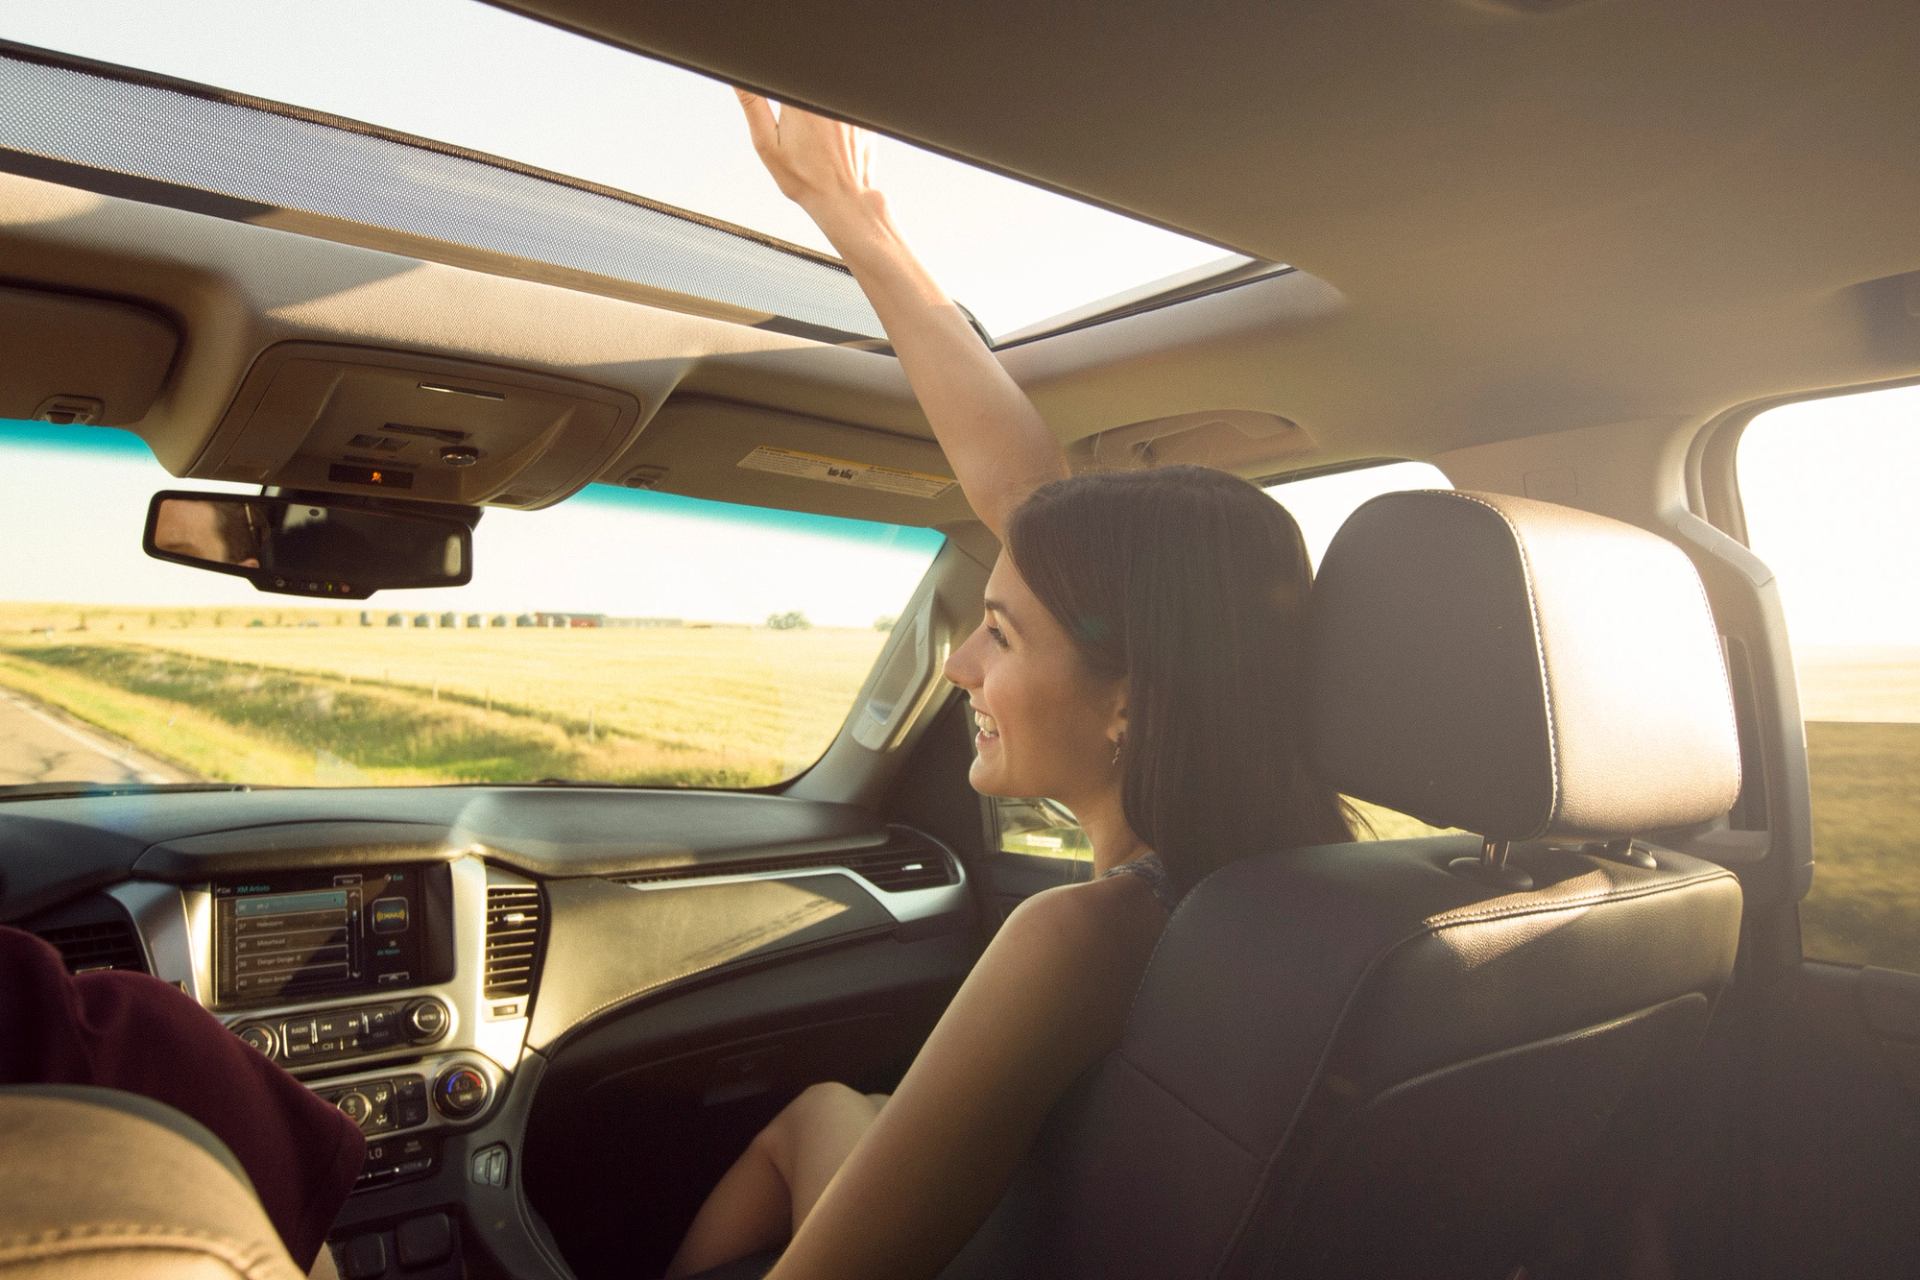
(1118, 743)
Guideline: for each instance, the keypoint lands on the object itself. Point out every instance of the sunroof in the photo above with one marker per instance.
(477, 78)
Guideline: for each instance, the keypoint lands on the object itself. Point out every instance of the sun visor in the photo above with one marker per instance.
(354, 420)
(76, 359)
(707, 448)
(1237, 440)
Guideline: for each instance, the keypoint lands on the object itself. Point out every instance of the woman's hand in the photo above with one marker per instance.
(999, 447)
(821, 165)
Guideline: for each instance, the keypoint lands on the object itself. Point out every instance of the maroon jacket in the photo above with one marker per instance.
(129, 1031)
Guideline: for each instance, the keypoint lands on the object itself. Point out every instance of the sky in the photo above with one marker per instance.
(472, 75)
(1830, 489)
(623, 552)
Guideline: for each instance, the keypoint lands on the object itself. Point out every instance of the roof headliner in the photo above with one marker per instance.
(1538, 215)
(1625, 215)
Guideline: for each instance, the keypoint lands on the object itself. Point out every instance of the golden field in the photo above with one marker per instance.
(293, 696)
(320, 699)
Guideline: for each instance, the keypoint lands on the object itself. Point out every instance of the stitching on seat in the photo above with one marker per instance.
(1426, 929)
(1184, 1105)
(1539, 651)
(1467, 915)
(245, 1256)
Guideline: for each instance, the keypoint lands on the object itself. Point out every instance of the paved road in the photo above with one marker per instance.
(39, 744)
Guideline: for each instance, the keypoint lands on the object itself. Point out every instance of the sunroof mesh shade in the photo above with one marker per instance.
(229, 149)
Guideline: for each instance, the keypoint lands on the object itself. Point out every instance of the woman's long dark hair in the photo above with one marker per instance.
(1191, 585)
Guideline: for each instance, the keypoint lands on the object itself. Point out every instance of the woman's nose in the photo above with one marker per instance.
(963, 667)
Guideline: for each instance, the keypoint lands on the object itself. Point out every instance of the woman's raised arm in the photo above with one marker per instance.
(999, 447)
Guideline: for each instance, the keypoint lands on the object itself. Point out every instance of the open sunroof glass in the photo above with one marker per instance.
(215, 152)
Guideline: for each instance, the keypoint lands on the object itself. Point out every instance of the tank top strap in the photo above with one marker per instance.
(1149, 868)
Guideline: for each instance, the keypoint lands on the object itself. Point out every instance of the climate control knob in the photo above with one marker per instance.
(426, 1020)
(460, 1092)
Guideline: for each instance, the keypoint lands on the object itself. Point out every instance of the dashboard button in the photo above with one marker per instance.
(355, 1107)
(427, 1019)
(407, 1088)
(260, 1036)
(411, 1112)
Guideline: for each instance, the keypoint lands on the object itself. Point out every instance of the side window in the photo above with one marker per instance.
(1321, 504)
(1828, 490)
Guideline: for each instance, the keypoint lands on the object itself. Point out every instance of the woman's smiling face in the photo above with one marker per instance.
(1045, 724)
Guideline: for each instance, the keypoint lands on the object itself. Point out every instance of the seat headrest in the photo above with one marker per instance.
(1517, 669)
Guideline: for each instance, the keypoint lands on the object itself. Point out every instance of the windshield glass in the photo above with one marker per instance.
(479, 78)
(623, 636)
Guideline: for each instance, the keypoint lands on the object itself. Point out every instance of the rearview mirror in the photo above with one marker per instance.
(330, 548)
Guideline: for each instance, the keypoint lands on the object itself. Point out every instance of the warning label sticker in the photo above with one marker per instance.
(863, 475)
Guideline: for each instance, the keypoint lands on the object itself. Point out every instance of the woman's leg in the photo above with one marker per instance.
(775, 1183)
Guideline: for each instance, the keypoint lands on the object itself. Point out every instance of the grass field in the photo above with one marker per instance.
(297, 696)
(294, 704)
(1865, 903)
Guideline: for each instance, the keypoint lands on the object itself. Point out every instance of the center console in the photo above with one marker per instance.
(367, 982)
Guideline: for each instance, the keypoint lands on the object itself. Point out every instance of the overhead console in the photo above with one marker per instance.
(371, 421)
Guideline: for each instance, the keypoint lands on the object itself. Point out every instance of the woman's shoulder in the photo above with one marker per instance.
(1115, 915)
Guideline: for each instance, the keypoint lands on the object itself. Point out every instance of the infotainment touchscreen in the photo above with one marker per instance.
(290, 937)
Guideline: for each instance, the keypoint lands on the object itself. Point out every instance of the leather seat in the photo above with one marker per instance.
(106, 1184)
(1398, 1059)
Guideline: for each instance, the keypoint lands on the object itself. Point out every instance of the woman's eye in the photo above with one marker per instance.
(998, 637)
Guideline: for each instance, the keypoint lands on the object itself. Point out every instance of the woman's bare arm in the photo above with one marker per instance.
(1047, 999)
(999, 447)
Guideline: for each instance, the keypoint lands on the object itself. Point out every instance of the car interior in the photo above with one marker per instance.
(1574, 1021)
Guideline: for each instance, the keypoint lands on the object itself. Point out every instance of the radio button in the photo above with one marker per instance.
(427, 1019)
(298, 1033)
(382, 1027)
(337, 1026)
(261, 1037)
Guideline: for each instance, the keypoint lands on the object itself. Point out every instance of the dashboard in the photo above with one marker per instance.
(420, 958)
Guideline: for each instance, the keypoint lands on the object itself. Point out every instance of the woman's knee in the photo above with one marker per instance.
(816, 1106)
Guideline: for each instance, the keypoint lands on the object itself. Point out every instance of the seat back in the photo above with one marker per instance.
(104, 1184)
(1395, 1058)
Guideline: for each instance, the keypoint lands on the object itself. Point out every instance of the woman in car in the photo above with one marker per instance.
(1136, 663)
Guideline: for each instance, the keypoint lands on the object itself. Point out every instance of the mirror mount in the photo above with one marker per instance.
(333, 546)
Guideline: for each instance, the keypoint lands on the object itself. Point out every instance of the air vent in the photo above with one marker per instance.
(908, 860)
(513, 939)
(111, 944)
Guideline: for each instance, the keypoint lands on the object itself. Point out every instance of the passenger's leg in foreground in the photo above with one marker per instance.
(774, 1184)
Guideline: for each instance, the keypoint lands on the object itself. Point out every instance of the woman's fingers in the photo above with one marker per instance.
(811, 157)
(761, 124)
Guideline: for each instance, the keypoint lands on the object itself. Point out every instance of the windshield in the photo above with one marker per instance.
(623, 637)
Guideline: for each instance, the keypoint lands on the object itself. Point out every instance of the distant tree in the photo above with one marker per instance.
(884, 622)
(792, 620)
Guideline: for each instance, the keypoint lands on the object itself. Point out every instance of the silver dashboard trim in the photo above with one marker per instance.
(176, 929)
(904, 905)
